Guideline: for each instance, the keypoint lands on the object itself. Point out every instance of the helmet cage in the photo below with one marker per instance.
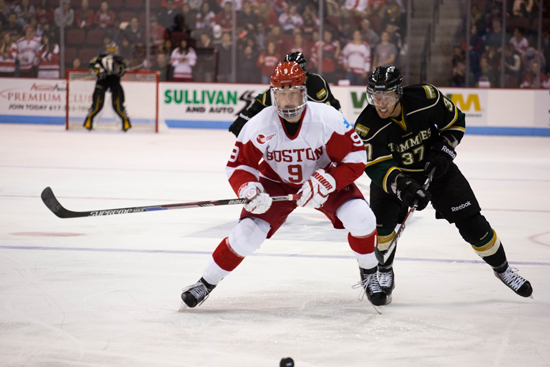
(289, 113)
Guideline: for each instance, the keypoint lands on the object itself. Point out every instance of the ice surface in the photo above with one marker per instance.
(105, 291)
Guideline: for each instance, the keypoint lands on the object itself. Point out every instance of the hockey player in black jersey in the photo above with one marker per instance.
(318, 90)
(108, 69)
(407, 132)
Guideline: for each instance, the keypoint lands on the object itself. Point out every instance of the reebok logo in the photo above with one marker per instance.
(449, 152)
(461, 206)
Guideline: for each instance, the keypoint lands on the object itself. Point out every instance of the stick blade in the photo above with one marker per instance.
(53, 204)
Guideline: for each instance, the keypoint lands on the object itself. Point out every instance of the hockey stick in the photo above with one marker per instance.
(53, 204)
(383, 256)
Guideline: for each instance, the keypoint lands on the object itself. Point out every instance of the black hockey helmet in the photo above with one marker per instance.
(384, 79)
(298, 58)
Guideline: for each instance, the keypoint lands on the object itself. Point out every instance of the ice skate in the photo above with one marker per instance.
(515, 282)
(196, 294)
(387, 282)
(371, 287)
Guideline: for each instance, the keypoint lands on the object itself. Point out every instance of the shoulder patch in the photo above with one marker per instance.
(361, 130)
(430, 91)
(321, 94)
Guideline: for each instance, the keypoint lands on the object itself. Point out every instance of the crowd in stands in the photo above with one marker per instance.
(191, 39)
(522, 61)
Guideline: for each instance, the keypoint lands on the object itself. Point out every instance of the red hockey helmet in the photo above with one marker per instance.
(288, 90)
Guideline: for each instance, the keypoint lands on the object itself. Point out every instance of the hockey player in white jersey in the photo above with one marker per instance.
(294, 147)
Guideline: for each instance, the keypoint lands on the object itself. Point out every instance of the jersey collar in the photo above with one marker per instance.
(299, 123)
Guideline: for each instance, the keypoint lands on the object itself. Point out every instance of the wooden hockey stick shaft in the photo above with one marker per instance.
(383, 256)
(53, 204)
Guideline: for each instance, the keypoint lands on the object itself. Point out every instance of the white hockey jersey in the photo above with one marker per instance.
(325, 139)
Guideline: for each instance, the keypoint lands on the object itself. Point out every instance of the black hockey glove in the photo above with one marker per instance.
(238, 124)
(440, 156)
(409, 191)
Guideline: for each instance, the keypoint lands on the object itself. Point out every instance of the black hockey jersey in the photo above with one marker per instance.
(318, 90)
(106, 66)
(402, 145)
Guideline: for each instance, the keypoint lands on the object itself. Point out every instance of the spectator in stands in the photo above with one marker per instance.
(396, 39)
(24, 11)
(225, 65)
(106, 40)
(183, 59)
(5, 11)
(64, 15)
(522, 8)
(487, 76)
(225, 18)
(206, 59)
(278, 6)
(260, 36)
(546, 47)
(474, 50)
(126, 49)
(167, 14)
(105, 17)
(299, 45)
(385, 52)
(494, 36)
(8, 53)
(77, 63)
(369, 35)
(189, 16)
(38, 30)
(248, 70)
(512, 67)
(49, 58)
(356, 9)
(15, 30)
(161, 66)
(331, 51)
(246, 18)
(533, 56)
(134, 32)
(519, 41)
(217, 35)
(392, 14)
(275, 37)
(27, 53)
(157, 32)
(43, 13)
(267, 61)
(195, 4)
(530, 79)
(478, 18)
(459, 69)
(266, 15)
(206, 18)
(311, 21)
(290, 19)
(84, 15)
(357, 60)
(177, 31)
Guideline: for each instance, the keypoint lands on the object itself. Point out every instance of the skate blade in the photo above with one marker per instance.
(183, 307)
(378, 309)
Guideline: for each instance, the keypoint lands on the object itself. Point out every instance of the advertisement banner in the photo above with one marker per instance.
(542, 108)
(32, 101)
(205, 105)
(473, 102)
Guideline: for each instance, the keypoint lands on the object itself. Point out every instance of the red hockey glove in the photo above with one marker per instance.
(315, 191)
